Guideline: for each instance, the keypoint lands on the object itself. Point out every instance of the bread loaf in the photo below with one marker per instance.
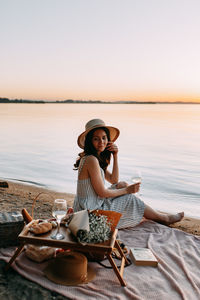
(40, 228)
(39, 253)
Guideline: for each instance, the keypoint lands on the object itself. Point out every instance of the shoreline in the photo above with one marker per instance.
(22, 195)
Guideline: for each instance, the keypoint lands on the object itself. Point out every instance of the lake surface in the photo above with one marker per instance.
(38, 146)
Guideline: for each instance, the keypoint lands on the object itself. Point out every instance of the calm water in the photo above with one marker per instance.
(38, 145)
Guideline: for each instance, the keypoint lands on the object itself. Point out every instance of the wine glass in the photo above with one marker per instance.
(136, 178)
(58, 211)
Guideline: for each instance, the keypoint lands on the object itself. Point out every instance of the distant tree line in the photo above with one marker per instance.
(6, 100)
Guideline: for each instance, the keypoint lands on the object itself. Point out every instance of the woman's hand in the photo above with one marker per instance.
(133, 188)
(112, 148)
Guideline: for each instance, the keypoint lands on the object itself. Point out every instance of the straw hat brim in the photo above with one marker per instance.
(50, 273)
(114, 133)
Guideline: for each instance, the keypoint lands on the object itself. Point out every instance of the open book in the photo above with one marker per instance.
(143, 257)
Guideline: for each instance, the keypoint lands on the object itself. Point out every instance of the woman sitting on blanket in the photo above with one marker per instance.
(98, 143)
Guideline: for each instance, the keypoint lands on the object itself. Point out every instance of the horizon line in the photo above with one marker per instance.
(68, 101)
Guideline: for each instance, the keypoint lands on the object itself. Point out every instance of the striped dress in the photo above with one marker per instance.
(130, 206)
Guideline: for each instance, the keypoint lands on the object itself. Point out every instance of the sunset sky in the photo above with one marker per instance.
(140, 50)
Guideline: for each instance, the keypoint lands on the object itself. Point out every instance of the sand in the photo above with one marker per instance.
(18, 196)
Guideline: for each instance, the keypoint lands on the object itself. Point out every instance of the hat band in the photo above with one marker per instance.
(95, 126)
(83, 278)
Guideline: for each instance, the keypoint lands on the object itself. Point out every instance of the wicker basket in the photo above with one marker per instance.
(11, 224)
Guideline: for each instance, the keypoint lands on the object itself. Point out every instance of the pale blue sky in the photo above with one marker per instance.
(105, 49)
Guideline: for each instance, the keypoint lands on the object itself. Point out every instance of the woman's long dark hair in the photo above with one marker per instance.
(103, 158)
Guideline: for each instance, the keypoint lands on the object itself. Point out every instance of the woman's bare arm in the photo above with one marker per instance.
(114, 176)
(98, 184)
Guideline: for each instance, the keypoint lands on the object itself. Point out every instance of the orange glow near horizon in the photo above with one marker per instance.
(143, 97)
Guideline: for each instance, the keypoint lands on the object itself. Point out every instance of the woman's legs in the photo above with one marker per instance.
(166, 219)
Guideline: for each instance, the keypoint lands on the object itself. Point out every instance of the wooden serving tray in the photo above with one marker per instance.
(69, 242)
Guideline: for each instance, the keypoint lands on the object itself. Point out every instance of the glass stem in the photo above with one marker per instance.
(58, 230)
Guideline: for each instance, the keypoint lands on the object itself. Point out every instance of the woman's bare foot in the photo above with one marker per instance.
(160, 217)
(171, 219)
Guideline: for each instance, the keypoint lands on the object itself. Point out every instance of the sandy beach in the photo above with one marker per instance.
(18, 196)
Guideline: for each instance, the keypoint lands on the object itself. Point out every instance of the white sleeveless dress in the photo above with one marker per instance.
(130, 206)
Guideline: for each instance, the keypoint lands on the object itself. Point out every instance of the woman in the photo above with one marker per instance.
(98, 143)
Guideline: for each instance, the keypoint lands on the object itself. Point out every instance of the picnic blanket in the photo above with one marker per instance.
(176, 277)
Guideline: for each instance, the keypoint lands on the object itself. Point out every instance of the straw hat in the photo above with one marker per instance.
(95, 123)
(69, 268)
